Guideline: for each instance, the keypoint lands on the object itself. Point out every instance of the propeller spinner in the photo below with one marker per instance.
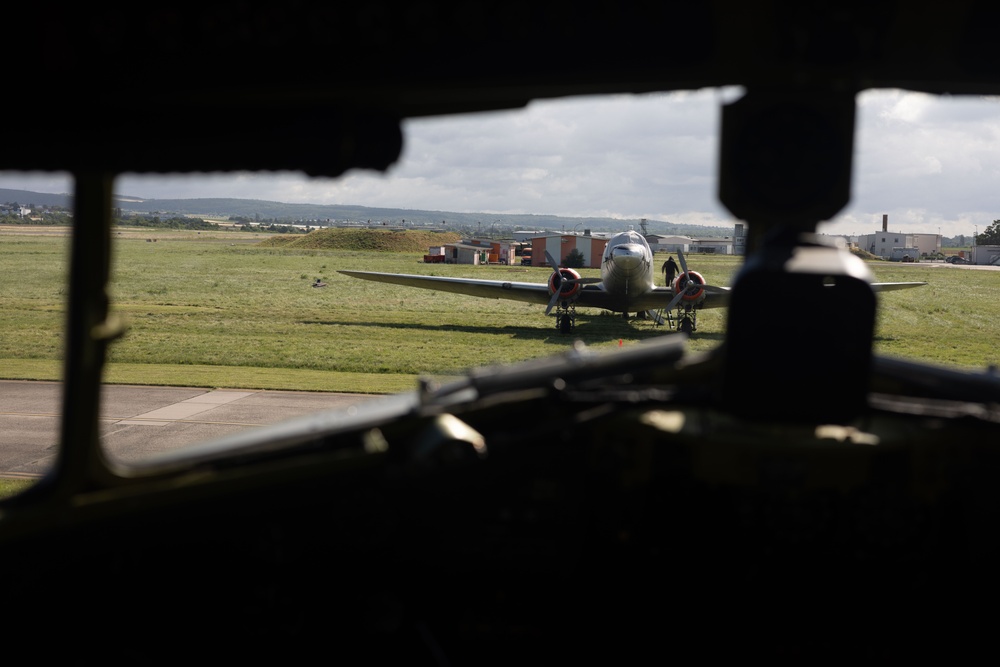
(564, 283)
(689, 285)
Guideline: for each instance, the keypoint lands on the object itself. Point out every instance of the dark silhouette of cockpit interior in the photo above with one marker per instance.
(656, 503)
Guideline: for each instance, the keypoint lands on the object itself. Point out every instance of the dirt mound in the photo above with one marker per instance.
(384, 240)
(864, 254)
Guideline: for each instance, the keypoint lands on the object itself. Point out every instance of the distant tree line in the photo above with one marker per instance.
(45, 218)
(991, 235)
(43, 215)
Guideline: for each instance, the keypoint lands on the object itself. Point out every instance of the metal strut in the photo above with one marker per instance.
(565, 317)
(668, 319)
(687, 319)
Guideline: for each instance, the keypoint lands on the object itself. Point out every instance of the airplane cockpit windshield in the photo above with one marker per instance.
(235, 315)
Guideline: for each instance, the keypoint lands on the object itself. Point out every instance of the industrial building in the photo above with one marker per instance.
(726, 245)
(472, 251)
(560, 245)
(896, 245)
(688, 244)
(985, 255)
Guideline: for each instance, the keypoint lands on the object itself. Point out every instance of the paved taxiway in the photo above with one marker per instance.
(131, 416)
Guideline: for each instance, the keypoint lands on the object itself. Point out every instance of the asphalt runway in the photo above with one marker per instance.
(132, 415)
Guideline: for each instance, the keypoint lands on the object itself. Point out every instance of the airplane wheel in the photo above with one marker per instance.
(565, 324)
(686, 326)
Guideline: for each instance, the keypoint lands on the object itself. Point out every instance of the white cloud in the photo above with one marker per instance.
(929, 162)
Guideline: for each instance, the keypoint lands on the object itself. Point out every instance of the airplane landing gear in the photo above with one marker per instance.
(565, 318)
(687, 321)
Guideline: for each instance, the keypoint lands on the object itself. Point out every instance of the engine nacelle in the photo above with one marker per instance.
(691, 294)
(564, 280)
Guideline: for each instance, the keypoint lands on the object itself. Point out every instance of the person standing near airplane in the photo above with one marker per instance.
(670, 269)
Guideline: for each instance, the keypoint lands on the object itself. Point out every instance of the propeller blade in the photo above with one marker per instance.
(568, 281)
(555, 269)
(676, 299)
(552, 301)
(655, 316)
(692, 286)
(563, 280)
(687, 285)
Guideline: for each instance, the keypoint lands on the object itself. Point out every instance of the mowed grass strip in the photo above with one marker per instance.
(218, 311)
(11, 487)
(236, 377)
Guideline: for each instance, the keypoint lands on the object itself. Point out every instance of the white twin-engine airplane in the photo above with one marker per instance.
(625, 286)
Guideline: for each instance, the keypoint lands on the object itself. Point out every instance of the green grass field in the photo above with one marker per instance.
(10, 487)
(222, 310)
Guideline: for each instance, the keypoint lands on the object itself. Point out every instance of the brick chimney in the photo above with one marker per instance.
(885, 222)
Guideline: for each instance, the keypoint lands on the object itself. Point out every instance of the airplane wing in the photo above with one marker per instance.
(718, 297)
(491, 289)
(591, 295)
(660, 297)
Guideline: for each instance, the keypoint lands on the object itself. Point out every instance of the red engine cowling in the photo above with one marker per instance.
(690, 293)
(565, 282)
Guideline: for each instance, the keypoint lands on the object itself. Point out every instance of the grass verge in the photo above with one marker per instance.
(10, 486)
(229, 377)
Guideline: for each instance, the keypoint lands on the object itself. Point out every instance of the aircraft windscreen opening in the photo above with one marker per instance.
(238, 316)
(249, 299)
(35, 227)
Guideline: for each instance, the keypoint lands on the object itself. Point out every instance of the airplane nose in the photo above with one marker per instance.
(626, 257)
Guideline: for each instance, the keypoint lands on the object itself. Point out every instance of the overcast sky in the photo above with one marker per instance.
(932, 164)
